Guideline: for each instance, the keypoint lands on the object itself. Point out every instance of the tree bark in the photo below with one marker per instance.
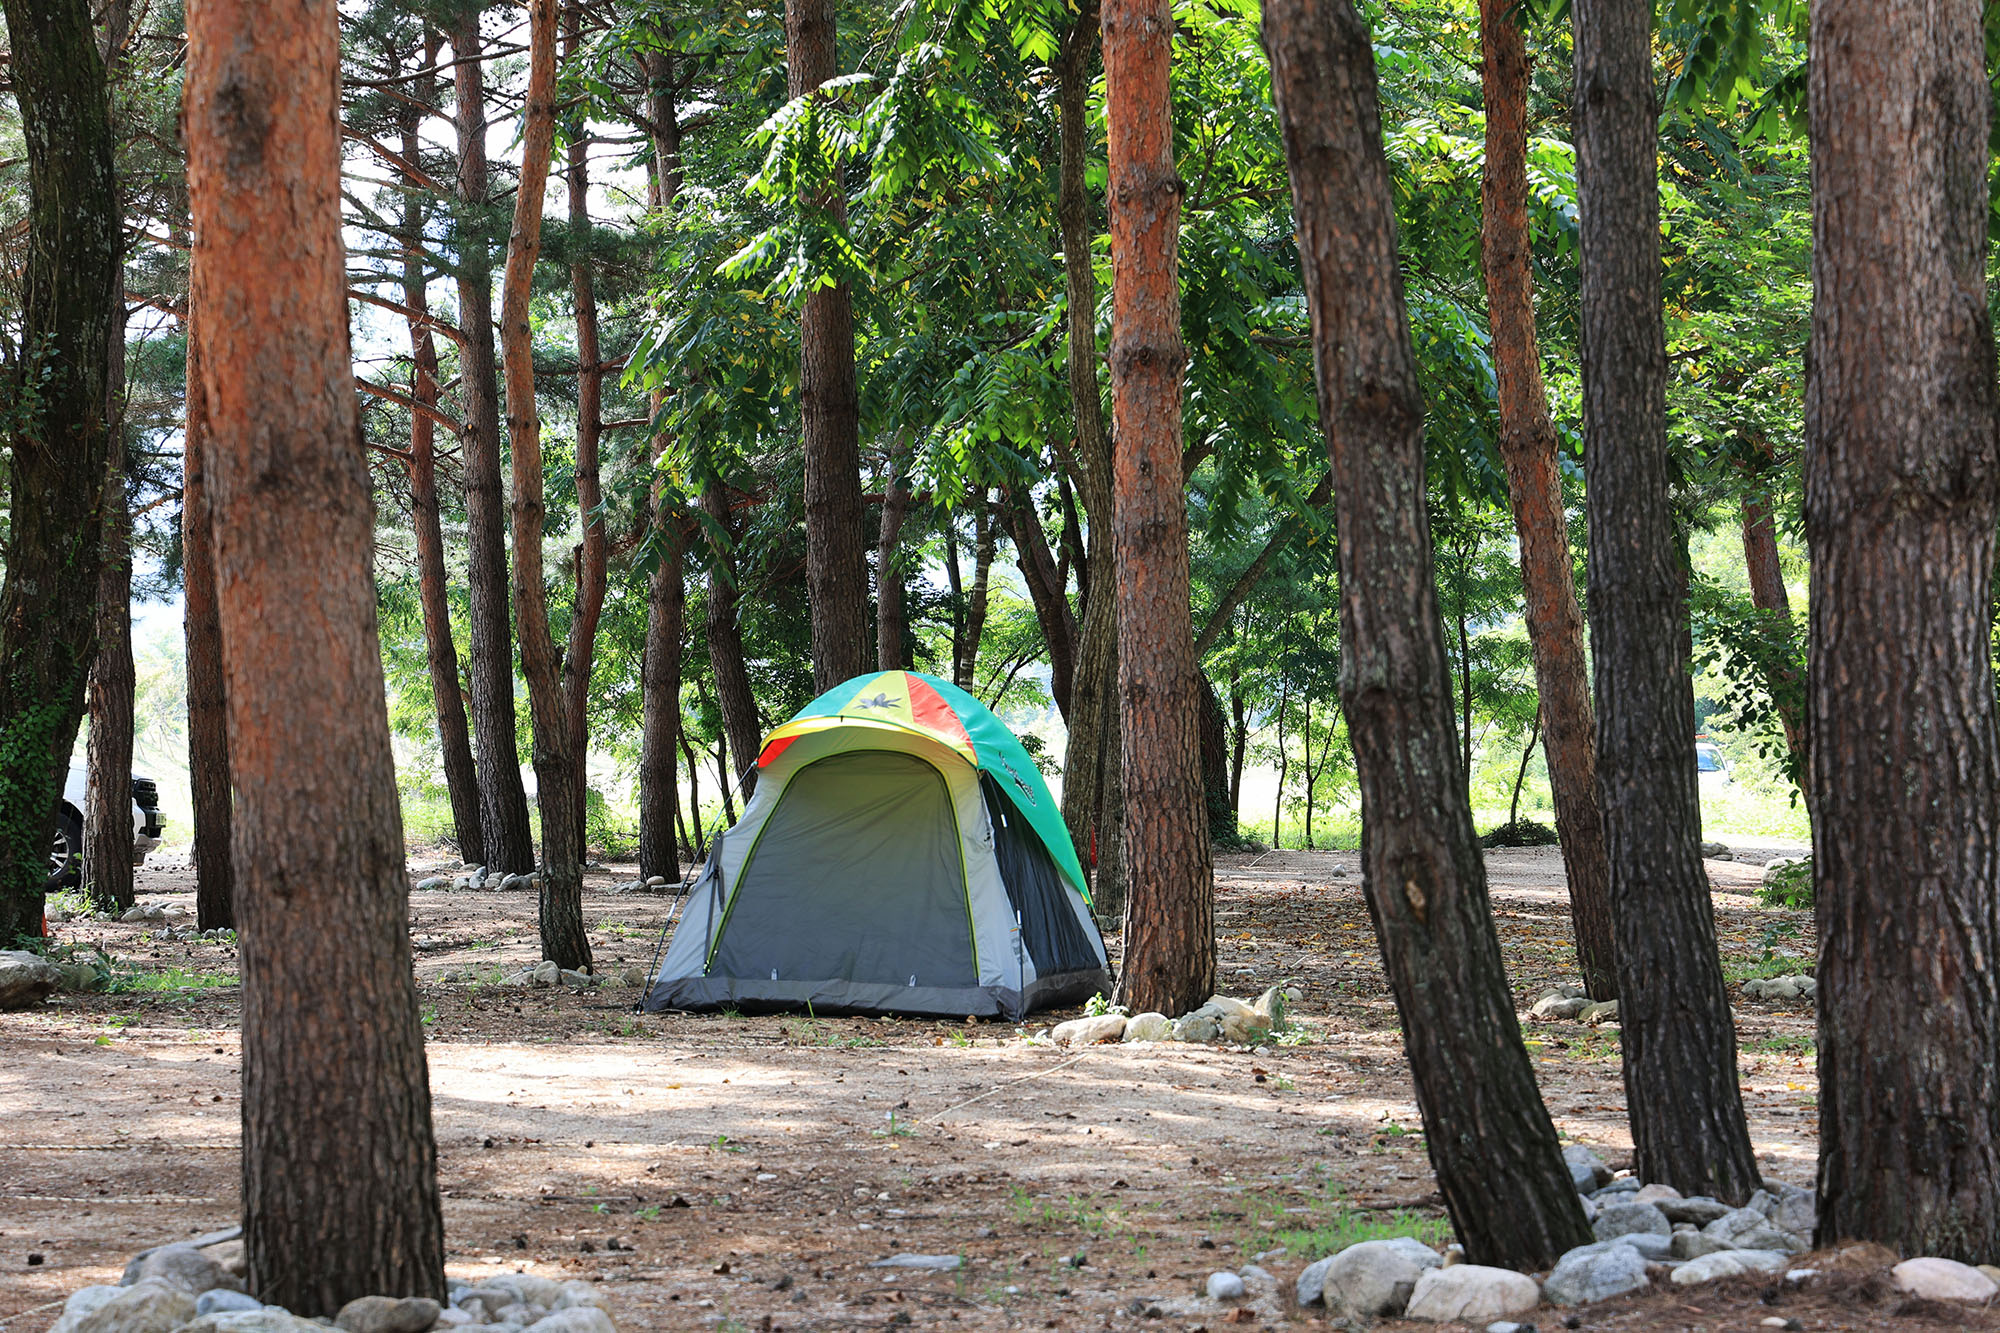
(660, 731)
(503, 800)
(340, 1192)
(59, 440)
(891, 621)
(1046, 591)
(733, 695)
(1093, 807)
(1498, 1163)
(557, 777)
(1170, 908)
(461, 774)
(1902, 489)
(829, 405)
(966, 663)
(1528, 447)
(666, 587)
(107, 820)
(1767, 593)
(581, 652)
(209, 783)
(1685, 1104)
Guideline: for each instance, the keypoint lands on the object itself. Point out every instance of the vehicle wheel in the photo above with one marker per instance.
(66, 852)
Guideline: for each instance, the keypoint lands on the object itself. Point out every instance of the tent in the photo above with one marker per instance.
(900, 854)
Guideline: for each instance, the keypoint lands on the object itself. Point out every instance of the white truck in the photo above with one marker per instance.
(66, 852)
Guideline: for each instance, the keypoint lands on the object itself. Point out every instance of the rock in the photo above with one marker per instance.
(546, 973)
(26, 978)
(1620, 1190)
(1271, 1004)
(938, 1263)
(1250, 1030)
(386, 1314)
(1374, 1277)
(1589, 1207)
(1774, 868)
(1656, 1194)
(221, 1300)
(1943, 1280)
(1509, 1326)
(575, 1294)
(576, 1319)
(1621, 1219)
(1734, 1222)
(1089, 1031)
(1197, 1028)
(1652, 1245)
(182, 1265)
(1226, 1287)
(519, 1313)
(151, 1305)
(1715, 851)
(1472, 1291)
(432, 883)
(82, 1303)
(1586, 1169)
(1726, 1263)
(1596, 1273)
(1693, 1245)
(1699, 1209)
(1797, 1210)
(453, 1317)
(1559, 1006)
(1603, 1012)
(1149, 1027)
(578, 980)
(1222, 1006)
(264, 1319)
(656, 881)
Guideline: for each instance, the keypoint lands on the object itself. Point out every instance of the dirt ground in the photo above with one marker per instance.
(742, 1173)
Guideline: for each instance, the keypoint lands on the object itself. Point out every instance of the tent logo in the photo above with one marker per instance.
(1020, 782)
(879, 701)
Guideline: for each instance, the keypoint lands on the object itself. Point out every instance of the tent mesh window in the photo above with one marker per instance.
(857, 875)
(1050, 930)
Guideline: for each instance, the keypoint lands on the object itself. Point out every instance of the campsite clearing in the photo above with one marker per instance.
(719, 1171)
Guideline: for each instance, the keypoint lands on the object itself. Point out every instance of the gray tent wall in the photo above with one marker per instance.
(848, 893)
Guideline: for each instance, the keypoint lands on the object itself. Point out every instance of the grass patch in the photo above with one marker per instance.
(1739, 970)
(1330, 1224)
(1782, 1045)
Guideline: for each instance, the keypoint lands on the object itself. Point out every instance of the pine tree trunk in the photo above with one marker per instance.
(59, 441)
(1681, 1086)
(1091, 779)
(1498, 1163)
(340, 1194)
(666, 587)
(461, 775)
(107, 820)
(557, 775)
(1902, 489)
(503, 800)
(1169, 961)
(208, 719)
(660, 730)
(965, 667)
(1046, 591)
(1767, 593)
(734, 698)
(891, 621)
(829, 406)
(580, 655)
(1528, 446)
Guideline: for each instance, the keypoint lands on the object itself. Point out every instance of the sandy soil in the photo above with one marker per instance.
(741, 1173)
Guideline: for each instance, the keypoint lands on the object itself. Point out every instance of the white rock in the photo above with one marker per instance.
(1586, 1169)
(82, 1302)
(1559, 1006)
(1197, 1028)
(1373, 1277)
(938, 1263)
(1656, 1194)
(184, 1266)
(452, 1317)
(221, 1300)
(1149, 1027)
(1943, 1280)
(576, 1294)
(149, 1306)
(26, 978)
(1089, 1031)
(1472, 1291)
(576, 1319)
(1596, 1273)
(1225, 1287)
(266, 1319)
(1727, 1263)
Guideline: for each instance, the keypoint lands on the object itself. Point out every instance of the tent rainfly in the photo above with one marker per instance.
(900, 854)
